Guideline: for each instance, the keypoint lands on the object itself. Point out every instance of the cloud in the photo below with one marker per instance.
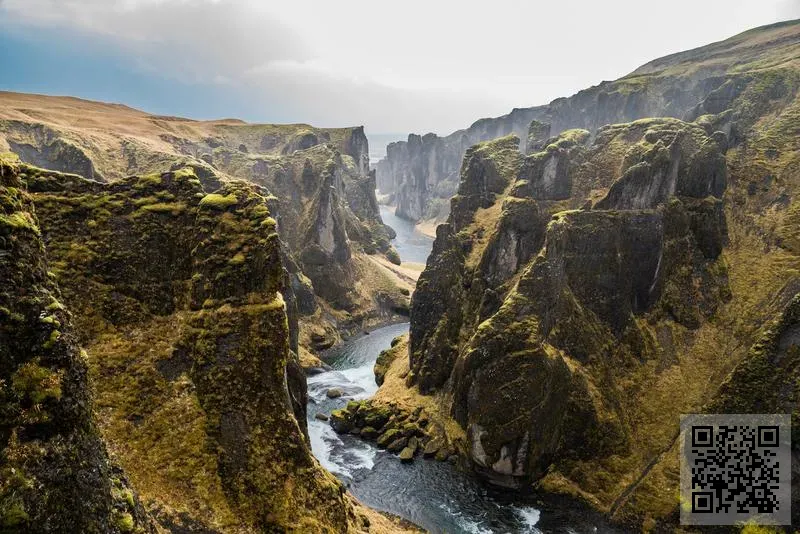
(415, 65)
(788, 9)
(202, 39)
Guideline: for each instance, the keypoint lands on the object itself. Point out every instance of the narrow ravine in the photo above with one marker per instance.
(435, 495)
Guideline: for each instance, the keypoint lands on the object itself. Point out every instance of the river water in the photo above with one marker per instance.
(411, 244)
(435, 495)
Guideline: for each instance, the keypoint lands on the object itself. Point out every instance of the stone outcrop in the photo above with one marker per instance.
(408, 434)
(55, 473)
(181, 301)
(580, 297)
(319, 187)
(422, 173)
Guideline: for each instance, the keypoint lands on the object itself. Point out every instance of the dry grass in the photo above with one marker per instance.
(122, 141)
(404, 275)
(394, 390)
(428, 227)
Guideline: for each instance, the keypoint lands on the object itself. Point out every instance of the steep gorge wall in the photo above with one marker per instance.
(422, 173)
(55, 473)
(180, 298)
(583, 296)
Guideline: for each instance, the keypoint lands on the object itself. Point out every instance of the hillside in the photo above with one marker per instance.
(422, 174)
(583, 295)
(317, 182)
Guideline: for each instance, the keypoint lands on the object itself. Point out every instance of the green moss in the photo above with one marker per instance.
(124, 522)
(51, 341)
(50, 320)
(173, 208)
(55, 306)
(147, 180)
(217, 201)
(13, 514)
(13, 316)
(238, 259)
(37, 383)
(184, 174)
(20, 220)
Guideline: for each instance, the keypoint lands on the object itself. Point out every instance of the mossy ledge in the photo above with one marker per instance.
(190, 356)
(55, 473)
(582, 296)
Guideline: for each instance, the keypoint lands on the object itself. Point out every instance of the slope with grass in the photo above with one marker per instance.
(422, 173)
(583, 296)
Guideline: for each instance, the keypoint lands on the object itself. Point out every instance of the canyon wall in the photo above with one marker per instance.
(422, 173)
(55, 472)
(582, 296)
(179, 296)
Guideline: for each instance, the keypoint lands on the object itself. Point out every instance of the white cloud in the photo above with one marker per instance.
(411, 65)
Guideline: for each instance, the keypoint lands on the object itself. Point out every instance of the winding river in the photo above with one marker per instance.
(434, 495)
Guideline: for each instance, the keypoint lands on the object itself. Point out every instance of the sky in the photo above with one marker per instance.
(401, 66)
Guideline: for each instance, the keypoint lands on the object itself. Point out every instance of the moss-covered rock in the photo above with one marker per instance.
(393, 256)
(189, 347)
(388, 437)
(55, 474)
(382, 363)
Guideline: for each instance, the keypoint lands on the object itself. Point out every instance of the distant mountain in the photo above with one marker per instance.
(422, 173)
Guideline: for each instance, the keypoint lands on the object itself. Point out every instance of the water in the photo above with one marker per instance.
(435, 495)
(411, 244)
(432, 494)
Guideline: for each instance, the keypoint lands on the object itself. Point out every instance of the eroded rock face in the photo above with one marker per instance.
(55, 475)
(423, 172)
(180, 298)
(525, 302)
(320, 189)
(422, 175)
(46, 149)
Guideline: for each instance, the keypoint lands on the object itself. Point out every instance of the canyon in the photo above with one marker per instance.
(188, 307)
(605, 273)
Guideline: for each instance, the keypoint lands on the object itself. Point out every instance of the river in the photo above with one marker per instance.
(435, 495)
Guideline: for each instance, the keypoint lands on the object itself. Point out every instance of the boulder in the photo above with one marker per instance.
(387, 437)
(397, 445)
(431, 448)
(341, 421)
(369, 433)
(407, 454)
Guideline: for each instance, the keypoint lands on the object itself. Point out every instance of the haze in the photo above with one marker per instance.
(392, 66)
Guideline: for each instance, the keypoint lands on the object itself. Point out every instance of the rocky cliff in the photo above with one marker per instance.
(179, 296)
(582, 296)
(423, 172)
(319, 188)
(55, 473)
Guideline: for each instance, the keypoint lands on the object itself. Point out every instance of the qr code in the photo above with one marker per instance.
(735, 468)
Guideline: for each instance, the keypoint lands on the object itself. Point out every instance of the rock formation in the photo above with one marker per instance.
(179, 296)
(422, 173)
(55, 473)
(583, 295)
